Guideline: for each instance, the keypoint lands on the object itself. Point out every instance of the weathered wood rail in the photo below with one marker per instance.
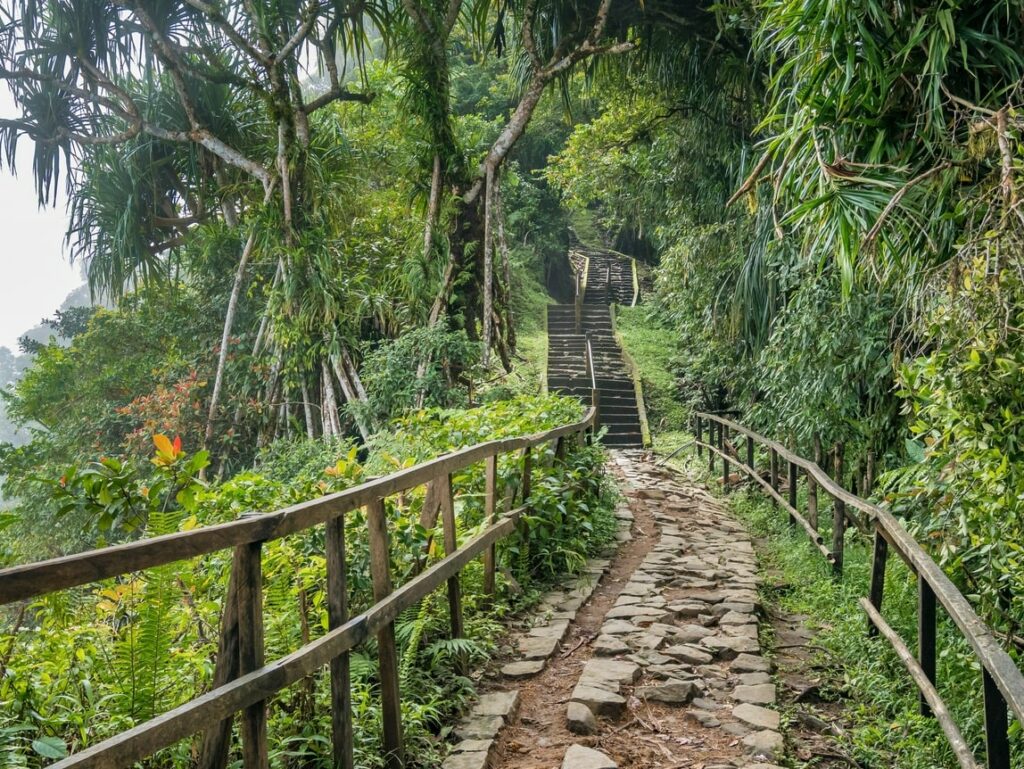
(1002, 681)
(243, 681)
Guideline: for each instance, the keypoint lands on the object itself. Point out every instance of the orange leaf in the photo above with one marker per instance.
(177, 444)
(163, 444)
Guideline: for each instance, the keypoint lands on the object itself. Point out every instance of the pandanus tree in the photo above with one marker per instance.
(163, 117)
(169, 119)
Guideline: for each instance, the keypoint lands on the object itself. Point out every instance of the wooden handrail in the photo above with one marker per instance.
(636, 283)
(1004, 682)
(34, 579)
(252, 681)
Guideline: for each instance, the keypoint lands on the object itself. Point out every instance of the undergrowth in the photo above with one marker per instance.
(81, 665)
(652, 347)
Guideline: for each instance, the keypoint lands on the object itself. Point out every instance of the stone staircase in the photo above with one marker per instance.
(610, 279)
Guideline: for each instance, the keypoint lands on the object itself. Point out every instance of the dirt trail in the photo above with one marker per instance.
(665, 650)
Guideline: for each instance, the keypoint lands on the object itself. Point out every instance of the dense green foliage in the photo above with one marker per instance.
(317, 262)
(836, 225)
(87, 663)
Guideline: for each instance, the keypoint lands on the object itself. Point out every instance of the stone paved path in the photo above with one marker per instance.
(658, 664)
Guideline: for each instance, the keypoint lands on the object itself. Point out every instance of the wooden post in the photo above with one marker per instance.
(451, 544)
(249, 595)
(926, 634)
(712, 428)
(337, 615)
(216, 742)
(490, 514)
(877, 590)
(838, 536)
(560, 450)
(792, 491)
(812, 486)
(750, 453)
(527, 473)
(700, 435)
(775, 474)
(380, 572)
(723, 436)
(578, 306)
(997, 744)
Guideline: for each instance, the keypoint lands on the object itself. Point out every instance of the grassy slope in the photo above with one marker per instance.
(652, 347)
(529, 365)
(884, 728)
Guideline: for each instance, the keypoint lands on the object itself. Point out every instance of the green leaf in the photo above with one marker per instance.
(50, 747)
(915, 450)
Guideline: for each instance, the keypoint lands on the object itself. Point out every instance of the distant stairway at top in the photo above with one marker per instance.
(609, 278)
(603, 278)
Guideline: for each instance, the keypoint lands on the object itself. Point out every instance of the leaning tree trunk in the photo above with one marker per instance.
(488, 324)
(225, 338)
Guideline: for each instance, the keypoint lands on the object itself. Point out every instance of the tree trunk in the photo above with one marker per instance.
(488, 325)
(433, 208)
(350, 395)
(510, 329)
(307, 409)
(225, 338)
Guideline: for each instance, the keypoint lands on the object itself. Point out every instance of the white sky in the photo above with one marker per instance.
(35, 275)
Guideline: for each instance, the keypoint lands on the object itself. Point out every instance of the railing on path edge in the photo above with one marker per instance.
(243, 682)
(1002, 681)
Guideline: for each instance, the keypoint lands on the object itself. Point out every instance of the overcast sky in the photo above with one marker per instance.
(35, 275)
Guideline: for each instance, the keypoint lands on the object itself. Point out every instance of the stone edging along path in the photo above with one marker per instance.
(649, 659)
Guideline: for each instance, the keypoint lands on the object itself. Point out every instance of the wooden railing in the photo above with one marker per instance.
(595, 392)
(636, 282)
(1002, 681)
(243, 682)
(580, 284)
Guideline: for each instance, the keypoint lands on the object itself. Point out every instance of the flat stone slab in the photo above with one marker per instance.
(669, 693)
(758, 694)
(609, 674)
(753, 679)
(750, 663)
(473, 746)
(555, 629)
(479, 728)
(756, 716)
(691, 633)
(728, 647)
(475, 760)
(618, 627)
(537, 647)
(635, 611)
(609, 646)
(579, 719)
(579, 757)
(736, 618)
(523, 669)
(688, 654)
(501, 704)
(765, 743)
(600, 701)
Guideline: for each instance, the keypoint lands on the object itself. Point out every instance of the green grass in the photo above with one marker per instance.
(653, 346)
(529, 364)
(883, 728)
